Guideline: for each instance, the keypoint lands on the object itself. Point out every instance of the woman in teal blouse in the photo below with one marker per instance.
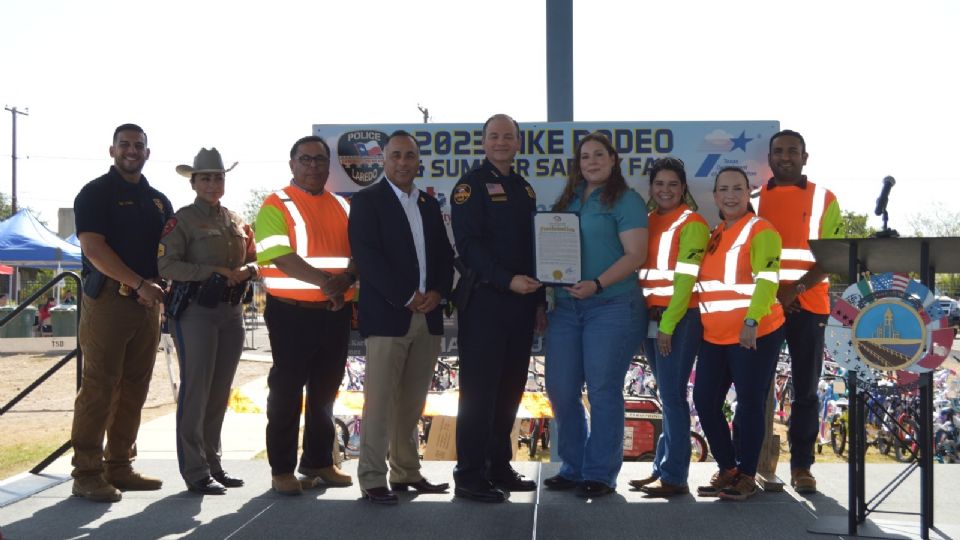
(596, 324)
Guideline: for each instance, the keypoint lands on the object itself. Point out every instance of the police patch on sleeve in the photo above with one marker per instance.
(531, 193)
(169, 226)
(461, 193)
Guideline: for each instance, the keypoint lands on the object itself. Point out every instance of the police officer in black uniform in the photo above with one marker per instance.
(492, 215)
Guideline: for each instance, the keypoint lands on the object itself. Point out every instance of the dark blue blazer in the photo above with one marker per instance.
(382, 248)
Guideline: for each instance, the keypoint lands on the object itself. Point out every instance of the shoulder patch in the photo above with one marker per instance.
(461, 193)
(531, 193)
(161, 249)
(169, 226)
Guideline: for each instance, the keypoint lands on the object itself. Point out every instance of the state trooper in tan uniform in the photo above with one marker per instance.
(209, 253)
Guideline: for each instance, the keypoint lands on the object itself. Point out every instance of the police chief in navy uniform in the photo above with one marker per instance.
(492, 213)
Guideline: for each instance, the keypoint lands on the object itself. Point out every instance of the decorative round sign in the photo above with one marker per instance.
(888, 322)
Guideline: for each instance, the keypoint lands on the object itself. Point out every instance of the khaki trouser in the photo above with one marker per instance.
(118, 338)
(399, 370)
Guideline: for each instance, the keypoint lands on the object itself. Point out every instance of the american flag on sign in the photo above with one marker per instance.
(881, 282)
(900, 282)
(370, 148)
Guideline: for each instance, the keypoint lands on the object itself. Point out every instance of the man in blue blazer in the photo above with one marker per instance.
(401, 249)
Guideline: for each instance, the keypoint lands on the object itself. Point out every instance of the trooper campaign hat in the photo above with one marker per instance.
(207, 161)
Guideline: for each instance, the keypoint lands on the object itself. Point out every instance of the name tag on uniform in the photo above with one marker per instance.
(496, 192)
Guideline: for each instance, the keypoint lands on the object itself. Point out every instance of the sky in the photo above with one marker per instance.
(872, 85)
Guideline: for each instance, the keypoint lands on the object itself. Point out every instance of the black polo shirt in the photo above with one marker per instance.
(130, 216)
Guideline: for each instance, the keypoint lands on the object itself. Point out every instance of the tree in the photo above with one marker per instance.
(855, 225)
(6, 210)
(252, 207)
(939, 221)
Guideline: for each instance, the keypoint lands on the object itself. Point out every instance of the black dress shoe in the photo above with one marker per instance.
(379, 495)
(560, 483)
(482, 492)
(420, 486)
(592, 489)
(227, 480)
(207, 486)
(512, 481)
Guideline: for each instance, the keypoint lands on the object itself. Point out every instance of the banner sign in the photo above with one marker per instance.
(448, 151)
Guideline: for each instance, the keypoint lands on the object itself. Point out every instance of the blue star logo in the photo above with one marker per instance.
(740, 142)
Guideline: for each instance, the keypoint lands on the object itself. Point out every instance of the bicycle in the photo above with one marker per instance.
(537, 430)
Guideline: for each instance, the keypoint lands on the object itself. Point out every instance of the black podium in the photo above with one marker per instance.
(851, 257)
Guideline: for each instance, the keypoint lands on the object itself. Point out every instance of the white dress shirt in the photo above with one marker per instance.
(410, 208)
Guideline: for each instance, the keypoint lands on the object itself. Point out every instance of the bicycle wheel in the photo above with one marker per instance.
(838, 435)
(883, 444)
(698, 448)
(343, 435)
(908, 442)
(535, 426)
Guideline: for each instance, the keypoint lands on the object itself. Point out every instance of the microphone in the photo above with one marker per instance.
(888, 183)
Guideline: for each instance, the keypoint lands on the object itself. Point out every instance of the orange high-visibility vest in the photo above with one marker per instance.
(727, 282)
(656, 274)
(797, 213)
(317, 232)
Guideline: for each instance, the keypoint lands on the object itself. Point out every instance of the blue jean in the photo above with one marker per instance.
(672, 372)
(752, 373)
(592, 341)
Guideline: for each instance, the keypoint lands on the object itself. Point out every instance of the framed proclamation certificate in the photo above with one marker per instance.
(556, 237)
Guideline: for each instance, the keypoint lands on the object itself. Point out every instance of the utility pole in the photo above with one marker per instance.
(13, 158)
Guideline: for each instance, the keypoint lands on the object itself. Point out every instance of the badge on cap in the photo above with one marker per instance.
(461, 193)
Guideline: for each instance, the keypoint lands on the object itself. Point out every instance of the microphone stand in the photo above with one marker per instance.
(886, 232)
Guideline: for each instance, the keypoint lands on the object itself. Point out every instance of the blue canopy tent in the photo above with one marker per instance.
(24, 241)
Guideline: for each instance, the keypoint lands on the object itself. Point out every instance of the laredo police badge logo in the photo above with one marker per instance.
(360, 153)
(461, 193)
(888, 322)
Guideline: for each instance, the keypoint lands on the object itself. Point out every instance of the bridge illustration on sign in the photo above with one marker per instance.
(889, 335)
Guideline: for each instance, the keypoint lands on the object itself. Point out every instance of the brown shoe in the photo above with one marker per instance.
(130, 480)
(330, 476)
(286, 484)
(95, 488)
(803, 481)
(637, 484)
(720, 480)
(663, 489)
(743, 488)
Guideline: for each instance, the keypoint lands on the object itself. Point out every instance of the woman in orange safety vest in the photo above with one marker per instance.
(742, 333)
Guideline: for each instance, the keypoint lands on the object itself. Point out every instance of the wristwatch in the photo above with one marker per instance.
(752, 323)
(599, 286)
(799, 287)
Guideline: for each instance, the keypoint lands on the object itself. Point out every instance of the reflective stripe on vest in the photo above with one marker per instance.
(658, 281)
(274, 279)
(729, 284)
(666, 240)
(299, 225)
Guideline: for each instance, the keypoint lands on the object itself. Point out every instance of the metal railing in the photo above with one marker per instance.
(75, 353)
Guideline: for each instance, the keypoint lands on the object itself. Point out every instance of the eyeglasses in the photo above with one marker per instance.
(319, 159)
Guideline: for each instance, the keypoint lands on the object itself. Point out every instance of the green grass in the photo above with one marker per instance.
(21, 457)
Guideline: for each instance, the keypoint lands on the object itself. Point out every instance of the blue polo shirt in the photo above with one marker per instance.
(600, 227)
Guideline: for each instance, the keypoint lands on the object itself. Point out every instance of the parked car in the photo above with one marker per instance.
(950, 309)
